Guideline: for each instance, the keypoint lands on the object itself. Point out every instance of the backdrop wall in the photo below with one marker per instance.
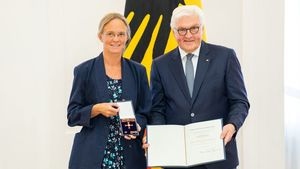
(41, 41)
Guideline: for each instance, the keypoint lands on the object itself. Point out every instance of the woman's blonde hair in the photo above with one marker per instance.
(111, 16)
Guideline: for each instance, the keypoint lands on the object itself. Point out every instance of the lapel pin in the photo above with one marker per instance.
(207, 60)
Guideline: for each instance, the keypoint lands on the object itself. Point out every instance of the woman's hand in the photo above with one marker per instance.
(129, 136)
(106, 109)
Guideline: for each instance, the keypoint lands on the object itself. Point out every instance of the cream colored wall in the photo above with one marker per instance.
(263, 138)
(41, 41)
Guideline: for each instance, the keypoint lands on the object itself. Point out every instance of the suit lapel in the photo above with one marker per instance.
(128, 81)
(100, 80)
(175, 66)
(202, 66)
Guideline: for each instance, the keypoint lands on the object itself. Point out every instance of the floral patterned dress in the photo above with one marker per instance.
(113, 153)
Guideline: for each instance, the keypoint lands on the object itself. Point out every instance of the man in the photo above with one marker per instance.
(198, 81)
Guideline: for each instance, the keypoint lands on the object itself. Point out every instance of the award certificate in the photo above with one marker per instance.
(185, 146)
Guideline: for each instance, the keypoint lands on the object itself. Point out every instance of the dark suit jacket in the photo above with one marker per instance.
(89, 88)
(219, 92)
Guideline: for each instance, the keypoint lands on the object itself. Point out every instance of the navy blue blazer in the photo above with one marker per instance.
(89, 88)
(219, 92)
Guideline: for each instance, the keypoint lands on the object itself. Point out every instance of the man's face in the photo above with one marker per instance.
(188, 33)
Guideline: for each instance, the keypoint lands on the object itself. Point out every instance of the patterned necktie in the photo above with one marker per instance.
(189, 72)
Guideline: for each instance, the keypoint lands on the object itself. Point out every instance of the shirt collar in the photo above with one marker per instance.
(183, 53)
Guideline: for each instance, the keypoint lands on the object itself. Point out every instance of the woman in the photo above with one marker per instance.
(98, 83)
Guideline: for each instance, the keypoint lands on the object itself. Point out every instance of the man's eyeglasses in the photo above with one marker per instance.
(183, 31)
(113, 34)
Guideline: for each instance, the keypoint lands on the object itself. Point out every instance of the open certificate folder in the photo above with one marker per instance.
(184, 146)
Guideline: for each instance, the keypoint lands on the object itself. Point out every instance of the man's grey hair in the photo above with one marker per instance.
(186, 10)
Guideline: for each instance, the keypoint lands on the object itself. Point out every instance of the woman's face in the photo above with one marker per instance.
(114, 37)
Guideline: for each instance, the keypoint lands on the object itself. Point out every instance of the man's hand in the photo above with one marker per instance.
(145, 144)
(227, 133)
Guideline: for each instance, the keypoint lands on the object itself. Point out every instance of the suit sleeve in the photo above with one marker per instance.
(79, 113)
(237, 95)
(158, 98)
(144, 100)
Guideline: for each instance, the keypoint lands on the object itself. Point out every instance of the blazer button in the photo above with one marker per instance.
(192, 114)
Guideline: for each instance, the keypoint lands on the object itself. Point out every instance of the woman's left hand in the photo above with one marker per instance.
(130, 136)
